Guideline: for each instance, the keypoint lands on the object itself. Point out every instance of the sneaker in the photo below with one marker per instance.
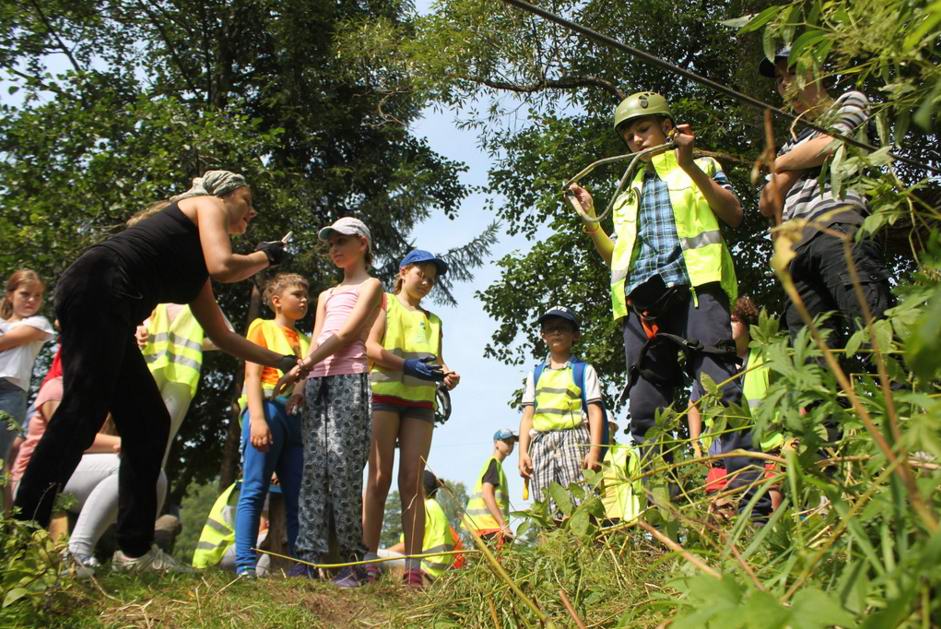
(373, 573)
(350, 577)
(79, 567)
(154, 560)
(303, 570)
(414, 578)
(246, 573)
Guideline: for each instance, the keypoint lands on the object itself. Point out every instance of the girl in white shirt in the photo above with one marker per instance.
(22, 335)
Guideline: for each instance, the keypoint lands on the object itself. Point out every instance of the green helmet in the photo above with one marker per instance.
(641, 104)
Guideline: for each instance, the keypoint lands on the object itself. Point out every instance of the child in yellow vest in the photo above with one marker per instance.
(403, 407)
(561, 429)
(271, 438)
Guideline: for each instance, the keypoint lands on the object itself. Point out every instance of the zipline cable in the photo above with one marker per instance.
(692, 76)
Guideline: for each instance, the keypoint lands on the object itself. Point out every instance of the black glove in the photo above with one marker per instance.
(275, 251)
(423, 368)
(287, 362)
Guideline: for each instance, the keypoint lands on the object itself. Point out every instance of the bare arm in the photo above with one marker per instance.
(222, 264)
(596, 430)
(488, 493)
(104, 444)
(694, 419)
(603, 244)
(783, 181)
(374, 349)
(21, 335)
(526, 424)
(808, 154)
(207, 312)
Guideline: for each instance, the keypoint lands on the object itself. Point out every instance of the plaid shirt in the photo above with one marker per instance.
(658, 250)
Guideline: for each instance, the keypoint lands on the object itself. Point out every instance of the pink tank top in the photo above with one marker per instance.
(352, 358)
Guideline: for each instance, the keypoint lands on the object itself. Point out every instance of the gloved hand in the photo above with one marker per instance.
(423, 368)
(274, 250)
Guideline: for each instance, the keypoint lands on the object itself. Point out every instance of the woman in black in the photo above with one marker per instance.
(168, 257)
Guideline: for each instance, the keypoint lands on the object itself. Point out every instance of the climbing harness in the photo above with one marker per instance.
(627, 176)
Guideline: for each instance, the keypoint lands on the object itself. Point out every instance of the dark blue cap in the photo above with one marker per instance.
(766, 67)
(562, 313)
(420, 256)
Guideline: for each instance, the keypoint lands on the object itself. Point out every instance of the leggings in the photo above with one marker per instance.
(103, 371)
(335, 429)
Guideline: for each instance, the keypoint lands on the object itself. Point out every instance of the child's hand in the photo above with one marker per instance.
(295, 403)
(581, 199)
(525, 465)
(684, 139)
(452, 379)
(142, 336)
(591, 461)
(260, 434)
(287, 380)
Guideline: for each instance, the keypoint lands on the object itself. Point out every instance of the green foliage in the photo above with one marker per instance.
(31, 587)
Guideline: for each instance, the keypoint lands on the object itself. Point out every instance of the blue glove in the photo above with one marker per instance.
(423, 368)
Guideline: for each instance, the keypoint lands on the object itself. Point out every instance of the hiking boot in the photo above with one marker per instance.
(79, 567)
(414, 578)
(350, 577)
(154, 560)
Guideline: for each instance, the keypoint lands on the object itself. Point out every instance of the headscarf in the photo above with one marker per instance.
(213, 183)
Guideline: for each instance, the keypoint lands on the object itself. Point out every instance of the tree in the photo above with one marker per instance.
(122, 102)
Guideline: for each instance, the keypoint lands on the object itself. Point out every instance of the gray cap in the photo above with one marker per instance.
(348, 226)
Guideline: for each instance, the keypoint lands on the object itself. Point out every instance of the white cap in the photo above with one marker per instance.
(348, 226)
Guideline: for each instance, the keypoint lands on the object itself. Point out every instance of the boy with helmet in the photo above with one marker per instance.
(672, 277)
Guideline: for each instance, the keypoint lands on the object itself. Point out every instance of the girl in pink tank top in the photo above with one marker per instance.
(335, 400)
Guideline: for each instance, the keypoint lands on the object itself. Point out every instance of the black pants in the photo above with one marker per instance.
(709, 322)
(103, 370)
(823, 281)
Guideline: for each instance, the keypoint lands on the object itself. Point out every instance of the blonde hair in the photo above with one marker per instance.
(280, 282)
(399, 282)
(19, 277)
(147, 212)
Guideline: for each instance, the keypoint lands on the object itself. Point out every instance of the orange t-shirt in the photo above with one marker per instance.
(270, 375)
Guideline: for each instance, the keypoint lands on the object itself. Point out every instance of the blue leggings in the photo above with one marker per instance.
(286, 457)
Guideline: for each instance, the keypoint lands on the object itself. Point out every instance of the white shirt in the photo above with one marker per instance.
(16, 363)
(592, 385)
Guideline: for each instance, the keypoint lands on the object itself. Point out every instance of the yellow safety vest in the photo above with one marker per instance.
(754, 390)
(409, 334)
(218, 532)
(277, 342)
(623, 498)
(174, 349)
(437, 539)
(477, 517)
(558, 400)
(705, 254)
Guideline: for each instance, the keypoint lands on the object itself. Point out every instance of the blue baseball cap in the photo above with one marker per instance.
(505, 434)
(560, 312)
(420, 256)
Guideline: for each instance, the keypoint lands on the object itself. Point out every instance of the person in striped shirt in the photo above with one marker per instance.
(819, 270)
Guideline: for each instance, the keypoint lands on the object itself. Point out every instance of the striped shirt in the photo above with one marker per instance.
(805, 200)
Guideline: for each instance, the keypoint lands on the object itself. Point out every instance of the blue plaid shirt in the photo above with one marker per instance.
(658, 245)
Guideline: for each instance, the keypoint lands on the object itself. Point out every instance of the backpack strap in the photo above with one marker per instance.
(578, 375)
(537, 373)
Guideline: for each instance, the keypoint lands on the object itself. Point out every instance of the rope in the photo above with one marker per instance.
(692, 76)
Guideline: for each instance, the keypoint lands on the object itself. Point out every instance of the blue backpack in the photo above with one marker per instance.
(578, 374)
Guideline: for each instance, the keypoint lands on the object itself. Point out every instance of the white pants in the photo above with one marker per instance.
(95, 484)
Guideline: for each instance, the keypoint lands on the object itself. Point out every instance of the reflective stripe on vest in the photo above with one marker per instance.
(705, 254)
(277, 341)
(174, 349)
(218, 533)
(623, 498)
(477, 516)
(409, 334)
(558, 400)
(754, 390)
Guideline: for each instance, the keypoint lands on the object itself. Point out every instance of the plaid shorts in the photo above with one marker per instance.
(557, 456)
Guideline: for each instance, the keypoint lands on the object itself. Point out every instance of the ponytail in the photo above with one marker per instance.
(147, 212)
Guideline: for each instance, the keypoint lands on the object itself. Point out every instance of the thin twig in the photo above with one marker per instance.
(571, 610)
(688, 556)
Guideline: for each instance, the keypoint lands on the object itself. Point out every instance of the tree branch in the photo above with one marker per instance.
(171, 49)
(61, 44)
(570, 82)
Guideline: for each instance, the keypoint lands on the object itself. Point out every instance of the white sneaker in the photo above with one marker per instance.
(154, 560)
(73, 565)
